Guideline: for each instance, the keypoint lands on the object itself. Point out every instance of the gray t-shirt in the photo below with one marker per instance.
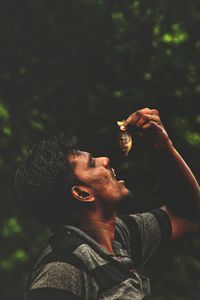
(74, 266)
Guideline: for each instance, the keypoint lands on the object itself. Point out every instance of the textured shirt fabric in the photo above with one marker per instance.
(74, 266)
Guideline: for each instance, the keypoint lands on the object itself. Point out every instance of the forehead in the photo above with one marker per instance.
(79, 158)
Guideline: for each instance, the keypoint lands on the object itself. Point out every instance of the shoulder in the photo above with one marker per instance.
(153, 222)
(57, 280)
(57, 275)
(144, 232)
(62, 269)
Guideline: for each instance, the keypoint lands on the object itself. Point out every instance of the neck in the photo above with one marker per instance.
(100, 226)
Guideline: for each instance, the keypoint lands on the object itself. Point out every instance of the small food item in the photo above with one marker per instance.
(125, 139)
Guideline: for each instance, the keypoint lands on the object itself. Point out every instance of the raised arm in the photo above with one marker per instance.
(183, 207)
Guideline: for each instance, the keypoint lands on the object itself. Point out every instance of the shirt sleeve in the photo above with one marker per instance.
(146, 231)
(59, 279)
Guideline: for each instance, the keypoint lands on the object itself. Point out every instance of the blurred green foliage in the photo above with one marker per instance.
(91, 63)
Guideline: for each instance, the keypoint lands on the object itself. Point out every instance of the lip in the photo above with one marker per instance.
(121, 181)
(114, 176)
(113, 173)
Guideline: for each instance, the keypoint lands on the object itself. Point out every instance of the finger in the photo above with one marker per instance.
(151, 124)
(133, 118)
(155, 112)
(146, 126)
(146, 119)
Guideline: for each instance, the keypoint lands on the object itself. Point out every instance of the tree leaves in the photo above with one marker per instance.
(86, 64)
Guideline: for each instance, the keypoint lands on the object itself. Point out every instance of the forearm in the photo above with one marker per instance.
(182, 187)
(184, 197)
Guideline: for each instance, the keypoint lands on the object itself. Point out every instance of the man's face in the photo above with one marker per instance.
(98, 176)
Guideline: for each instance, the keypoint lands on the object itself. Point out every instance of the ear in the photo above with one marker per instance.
(82, 193)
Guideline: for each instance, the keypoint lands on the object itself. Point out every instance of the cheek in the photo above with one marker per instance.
(103, 186)
(101, 179)
(109, 187)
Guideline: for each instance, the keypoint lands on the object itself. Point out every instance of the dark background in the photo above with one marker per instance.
(86, 64)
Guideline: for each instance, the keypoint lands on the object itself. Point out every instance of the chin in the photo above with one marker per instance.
(125, 190)
(124, 194)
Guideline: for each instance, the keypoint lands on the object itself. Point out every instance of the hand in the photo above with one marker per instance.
(150, 127)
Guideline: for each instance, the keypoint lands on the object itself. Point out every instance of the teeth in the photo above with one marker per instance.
(114, 172)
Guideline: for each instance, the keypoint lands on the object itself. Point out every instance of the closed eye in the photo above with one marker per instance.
(91, 161)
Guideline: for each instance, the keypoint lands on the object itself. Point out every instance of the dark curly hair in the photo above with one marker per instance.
(44, 179)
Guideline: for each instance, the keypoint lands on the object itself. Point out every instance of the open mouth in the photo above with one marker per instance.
(113, 173)
(115, 176)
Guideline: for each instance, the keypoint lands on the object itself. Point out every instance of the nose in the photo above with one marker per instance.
(105, 162)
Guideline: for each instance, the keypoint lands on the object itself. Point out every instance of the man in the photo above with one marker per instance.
(94, 254)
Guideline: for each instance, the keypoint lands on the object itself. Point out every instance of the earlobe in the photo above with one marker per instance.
(82, 193)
